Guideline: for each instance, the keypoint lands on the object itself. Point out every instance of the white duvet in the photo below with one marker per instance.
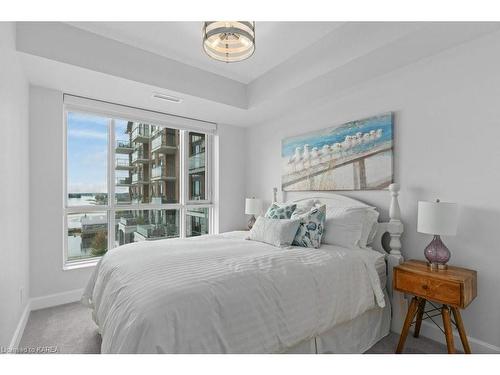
(225, 294)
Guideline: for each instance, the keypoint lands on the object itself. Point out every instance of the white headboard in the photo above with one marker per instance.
(393, 228)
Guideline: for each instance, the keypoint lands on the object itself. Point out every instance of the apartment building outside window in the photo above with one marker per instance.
(130, 181)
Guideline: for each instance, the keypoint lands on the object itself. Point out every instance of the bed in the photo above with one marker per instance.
(225, 294)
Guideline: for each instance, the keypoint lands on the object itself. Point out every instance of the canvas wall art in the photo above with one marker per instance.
(357, 155)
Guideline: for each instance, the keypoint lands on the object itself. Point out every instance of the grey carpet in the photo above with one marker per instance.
(71, 329)
(68, 327)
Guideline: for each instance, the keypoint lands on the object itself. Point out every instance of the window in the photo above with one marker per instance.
(87, 235)
(197, 221)
(197, 162)
(145, 225)
(129, 181)
(87, 157)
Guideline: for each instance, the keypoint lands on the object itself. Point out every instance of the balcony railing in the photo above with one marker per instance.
(128, 221)
(123, 198)
(123, 180)
(155, 130)
(123, 144)
(139, 156)
(136, 177)
(141, 133)
(161, 172)
(151, 230)
(164, 141)
(197, 161)
(122, 163)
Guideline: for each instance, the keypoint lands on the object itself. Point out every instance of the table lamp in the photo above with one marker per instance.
(437, 218)
(253, 207)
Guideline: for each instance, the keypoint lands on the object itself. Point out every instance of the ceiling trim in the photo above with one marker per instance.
(68, 44)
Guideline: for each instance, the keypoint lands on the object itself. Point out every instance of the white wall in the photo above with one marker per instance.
(232, 174)
(46, 197)
(447, 133)
(14, 206)
(46, 218)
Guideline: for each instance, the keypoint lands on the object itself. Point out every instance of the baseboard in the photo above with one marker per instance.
(38, 303)
(56, 299)
(18, 333)
(432, 332)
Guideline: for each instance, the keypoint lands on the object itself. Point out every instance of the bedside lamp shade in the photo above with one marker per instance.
(253, 206)
(437, 218)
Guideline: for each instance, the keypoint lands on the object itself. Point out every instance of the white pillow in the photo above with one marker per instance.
(349, 227)
(369, 229)
(276, 232)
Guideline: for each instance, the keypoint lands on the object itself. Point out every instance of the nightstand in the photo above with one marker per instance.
(454, 288)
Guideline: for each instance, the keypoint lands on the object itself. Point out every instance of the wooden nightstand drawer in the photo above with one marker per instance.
(444, 292)
(410, 283)
(436, 290)
(455, 286)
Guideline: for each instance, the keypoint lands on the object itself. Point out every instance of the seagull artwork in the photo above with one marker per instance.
(359, 138)
(306, 156)
(366, 138)
(295, 160)
(356, 155)
(314, 156)
(326, 153)
(347, 144)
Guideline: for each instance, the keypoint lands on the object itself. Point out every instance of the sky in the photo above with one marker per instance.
(88, 151)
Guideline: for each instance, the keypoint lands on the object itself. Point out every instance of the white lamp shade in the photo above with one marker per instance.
(437, 218)
(253, 206)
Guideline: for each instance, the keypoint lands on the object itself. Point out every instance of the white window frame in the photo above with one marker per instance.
(111, 207)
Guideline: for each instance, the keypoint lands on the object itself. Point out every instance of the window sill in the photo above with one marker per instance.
(80, 264)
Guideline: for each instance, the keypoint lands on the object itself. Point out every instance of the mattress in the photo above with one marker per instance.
(225, 294)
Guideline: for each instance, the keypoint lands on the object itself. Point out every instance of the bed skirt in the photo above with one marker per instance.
(352, 337)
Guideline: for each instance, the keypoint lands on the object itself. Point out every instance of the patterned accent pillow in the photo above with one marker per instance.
(275, 211)
(311, 227)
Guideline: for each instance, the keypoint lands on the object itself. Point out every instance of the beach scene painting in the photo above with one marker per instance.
(357, 155)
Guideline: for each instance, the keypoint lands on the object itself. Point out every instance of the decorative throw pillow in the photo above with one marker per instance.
(276, 211)
(311, 227)
(278, 233)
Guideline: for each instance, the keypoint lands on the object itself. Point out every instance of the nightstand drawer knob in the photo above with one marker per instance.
(425, 287)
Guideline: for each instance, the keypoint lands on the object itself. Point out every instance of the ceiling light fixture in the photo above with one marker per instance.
(229, 41)
(168, 98)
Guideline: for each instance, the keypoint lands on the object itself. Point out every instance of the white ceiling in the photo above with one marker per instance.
(182, 41)
(331, 59)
